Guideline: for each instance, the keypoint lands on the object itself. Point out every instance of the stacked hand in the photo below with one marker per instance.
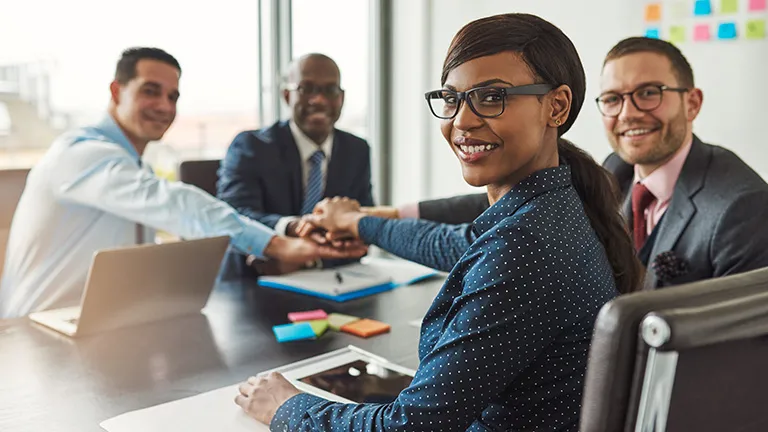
(329, 233)
(334, 222)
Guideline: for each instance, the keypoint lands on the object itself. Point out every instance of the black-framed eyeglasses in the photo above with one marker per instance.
(487, 102)
(645, 98)
(330, 91)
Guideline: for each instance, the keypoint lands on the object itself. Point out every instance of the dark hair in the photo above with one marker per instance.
(553, 59)
(126, 66)
(632, 45)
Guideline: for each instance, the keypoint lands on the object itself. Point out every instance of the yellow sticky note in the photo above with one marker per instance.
(729, 6)
(677, 34)
(756, 29)
(653, 12)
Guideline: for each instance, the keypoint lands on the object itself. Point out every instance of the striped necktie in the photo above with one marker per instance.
(314, 190)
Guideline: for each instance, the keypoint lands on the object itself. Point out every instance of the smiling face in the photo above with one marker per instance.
(501, 151)
(315, 112)
(145, 106)
(648, 139)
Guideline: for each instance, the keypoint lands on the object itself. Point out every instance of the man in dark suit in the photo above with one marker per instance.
(277, 174)
(694, 209)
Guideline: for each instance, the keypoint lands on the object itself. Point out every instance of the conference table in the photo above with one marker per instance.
(50, 382)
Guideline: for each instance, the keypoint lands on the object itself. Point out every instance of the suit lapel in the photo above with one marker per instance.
(681, 209)
(337, 167)
(292, 160)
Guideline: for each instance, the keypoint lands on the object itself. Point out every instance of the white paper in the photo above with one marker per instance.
(368, 273)
(402, 272)
(212, 411)
(216, 410)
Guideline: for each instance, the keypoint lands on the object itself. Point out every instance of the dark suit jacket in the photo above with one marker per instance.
(455, 210)
(261, 175)
(715, 222)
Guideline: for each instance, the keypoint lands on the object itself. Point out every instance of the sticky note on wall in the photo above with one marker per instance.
(677, 10)
(756, 29)
(726, 31)
(729, 6)
(757, 5)
(652, 32)
(677, 34)
(702, 7)
(653, 12)
(701, 33)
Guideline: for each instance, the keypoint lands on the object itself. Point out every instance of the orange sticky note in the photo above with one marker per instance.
(653, 12)
(366, 328)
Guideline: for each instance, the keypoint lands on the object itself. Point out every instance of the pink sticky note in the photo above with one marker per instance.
(701, 33)
(757, 5)
(307, 315)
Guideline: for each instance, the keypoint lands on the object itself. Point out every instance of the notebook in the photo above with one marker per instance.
(369, 276)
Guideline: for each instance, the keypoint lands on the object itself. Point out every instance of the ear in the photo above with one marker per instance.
(114, 90)
(287, 97)
(560, 100)
(695, 99)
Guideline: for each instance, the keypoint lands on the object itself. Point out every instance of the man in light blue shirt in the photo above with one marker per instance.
(91, 192)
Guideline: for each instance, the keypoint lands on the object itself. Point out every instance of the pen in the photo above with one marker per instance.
(339, 278)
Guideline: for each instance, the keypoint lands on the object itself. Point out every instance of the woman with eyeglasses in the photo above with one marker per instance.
(504, 345)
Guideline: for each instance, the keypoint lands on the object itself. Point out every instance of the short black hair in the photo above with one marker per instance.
(680, 66)
(126, 66)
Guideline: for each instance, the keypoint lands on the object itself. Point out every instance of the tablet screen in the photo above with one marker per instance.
(361, 382)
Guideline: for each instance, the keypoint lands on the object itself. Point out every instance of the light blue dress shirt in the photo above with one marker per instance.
(88, 192)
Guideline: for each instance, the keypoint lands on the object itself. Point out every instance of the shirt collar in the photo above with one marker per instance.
(661, 182)
(306, 146)
(108, 128)
(532, 186)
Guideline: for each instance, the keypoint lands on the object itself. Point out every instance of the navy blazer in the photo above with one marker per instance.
(261, 175)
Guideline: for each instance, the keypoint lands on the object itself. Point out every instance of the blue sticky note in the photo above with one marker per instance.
(293, 332)
(652, 32)
(726, 30)
(702, 7)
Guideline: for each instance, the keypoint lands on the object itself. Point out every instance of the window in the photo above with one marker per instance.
(55, 74)
(340, 30)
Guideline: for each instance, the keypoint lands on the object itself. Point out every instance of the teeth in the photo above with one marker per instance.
(476, 149)
(636, 132)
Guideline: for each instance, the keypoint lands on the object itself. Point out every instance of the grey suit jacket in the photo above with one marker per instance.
(716, 220)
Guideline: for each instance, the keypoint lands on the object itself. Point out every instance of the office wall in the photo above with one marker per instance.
(423, 163)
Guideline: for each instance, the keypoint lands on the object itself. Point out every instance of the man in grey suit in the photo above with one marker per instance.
(695, 210)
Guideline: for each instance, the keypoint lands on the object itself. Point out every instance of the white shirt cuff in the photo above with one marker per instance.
(282, 224)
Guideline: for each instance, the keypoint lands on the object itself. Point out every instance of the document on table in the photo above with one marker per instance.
(216, 410)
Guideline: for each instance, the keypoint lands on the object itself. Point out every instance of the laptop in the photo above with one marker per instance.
(141, 284)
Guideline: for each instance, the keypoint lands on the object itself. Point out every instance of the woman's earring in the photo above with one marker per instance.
(557, 122)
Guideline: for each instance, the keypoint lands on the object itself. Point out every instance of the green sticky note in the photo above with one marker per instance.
(729, 6)
(677, 34)
(756, 29)
(319, 326)
(336, 320)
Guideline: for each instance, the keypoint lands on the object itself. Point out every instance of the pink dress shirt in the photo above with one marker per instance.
(661, 183)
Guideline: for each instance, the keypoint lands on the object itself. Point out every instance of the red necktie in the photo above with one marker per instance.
(641, 199)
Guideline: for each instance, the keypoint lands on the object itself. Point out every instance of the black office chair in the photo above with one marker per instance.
(686, 358)
(200, 173)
